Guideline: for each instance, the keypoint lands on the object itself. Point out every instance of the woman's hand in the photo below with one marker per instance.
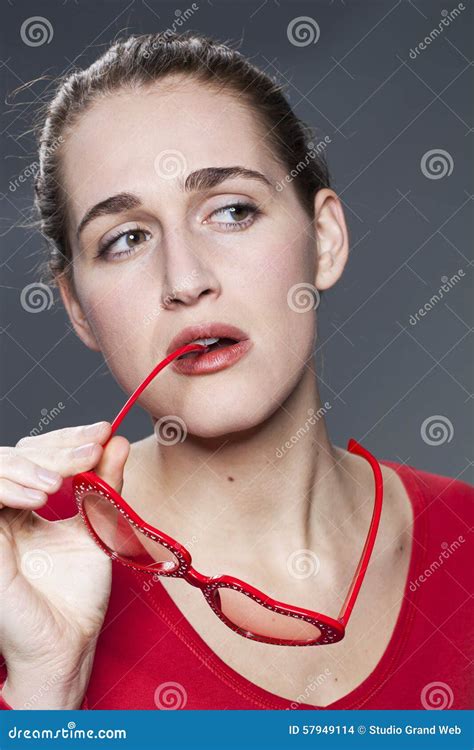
(54, 580)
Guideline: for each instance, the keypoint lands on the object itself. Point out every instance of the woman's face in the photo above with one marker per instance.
(229, 251)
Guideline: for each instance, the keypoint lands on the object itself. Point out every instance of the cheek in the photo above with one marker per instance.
(286, 301)
(119, 319)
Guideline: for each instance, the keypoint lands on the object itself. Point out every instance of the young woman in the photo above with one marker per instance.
(183, 199)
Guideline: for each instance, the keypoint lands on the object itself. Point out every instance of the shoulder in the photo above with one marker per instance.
(429, 490)
(443, 509)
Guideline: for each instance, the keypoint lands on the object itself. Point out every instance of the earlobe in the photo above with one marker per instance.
(76, 315)
(331, 237)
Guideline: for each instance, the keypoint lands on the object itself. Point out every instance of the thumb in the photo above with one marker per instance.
(112, 463)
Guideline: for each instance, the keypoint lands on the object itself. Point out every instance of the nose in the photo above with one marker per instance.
(188, 277)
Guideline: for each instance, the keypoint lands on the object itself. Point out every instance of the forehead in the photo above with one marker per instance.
(120, 142)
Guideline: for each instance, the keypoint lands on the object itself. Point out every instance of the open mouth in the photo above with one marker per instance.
(210, 344)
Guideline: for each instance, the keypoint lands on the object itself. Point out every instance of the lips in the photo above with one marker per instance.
(206, 331)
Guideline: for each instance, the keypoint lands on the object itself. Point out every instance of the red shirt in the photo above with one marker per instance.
(149, 656)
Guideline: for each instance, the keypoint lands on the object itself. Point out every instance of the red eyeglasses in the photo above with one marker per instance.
(126, 537)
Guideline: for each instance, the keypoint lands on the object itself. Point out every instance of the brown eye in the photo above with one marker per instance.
(234, 216)
(132, 236)
(123, 243)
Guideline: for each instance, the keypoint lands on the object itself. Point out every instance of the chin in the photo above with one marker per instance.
(212, 426)
(236, 418)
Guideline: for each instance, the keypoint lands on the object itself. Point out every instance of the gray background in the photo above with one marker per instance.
(383, 111)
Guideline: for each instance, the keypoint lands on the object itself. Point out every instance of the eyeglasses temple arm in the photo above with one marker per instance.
(164, 362)
(354, 588)
(353, 446)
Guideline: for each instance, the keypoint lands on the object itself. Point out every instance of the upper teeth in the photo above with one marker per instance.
(205, 342)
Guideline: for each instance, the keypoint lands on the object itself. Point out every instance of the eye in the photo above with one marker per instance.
(127, 240)
(235, 216)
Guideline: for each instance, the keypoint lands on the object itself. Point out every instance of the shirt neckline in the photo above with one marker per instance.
(176, 621)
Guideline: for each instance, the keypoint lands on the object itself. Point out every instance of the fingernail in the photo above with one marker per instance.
(84, 451)
(34, 494)
(48, 477)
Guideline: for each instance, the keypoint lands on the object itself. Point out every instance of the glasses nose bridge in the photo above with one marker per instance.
(195, 578)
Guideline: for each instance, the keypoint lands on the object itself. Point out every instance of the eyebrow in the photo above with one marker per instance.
(201, 179)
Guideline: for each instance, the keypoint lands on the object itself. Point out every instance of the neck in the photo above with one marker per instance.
(281, 484)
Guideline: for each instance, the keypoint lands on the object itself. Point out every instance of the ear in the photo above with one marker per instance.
(332, 238)
(76, 314)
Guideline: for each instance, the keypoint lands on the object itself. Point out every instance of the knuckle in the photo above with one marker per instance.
(25, 440)
(7, 455)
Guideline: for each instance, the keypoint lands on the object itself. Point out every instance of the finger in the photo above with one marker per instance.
(13, 495)
(65, 461)
(68, 437)
(112, 463)
(16, 467)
